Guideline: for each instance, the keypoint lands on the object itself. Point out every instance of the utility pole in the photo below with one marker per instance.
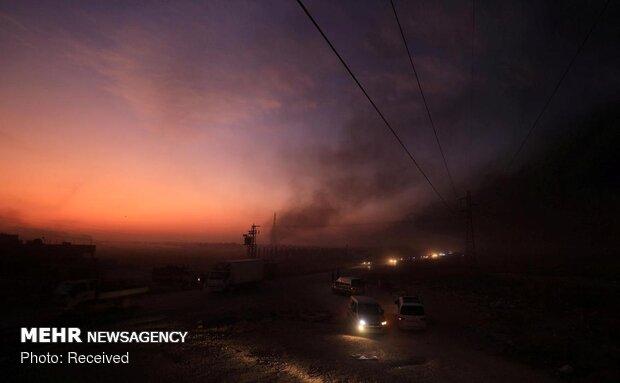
(470, 238)
(273, 231)
(249, 240)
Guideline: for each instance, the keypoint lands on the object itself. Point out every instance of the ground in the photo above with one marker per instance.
(274, 334)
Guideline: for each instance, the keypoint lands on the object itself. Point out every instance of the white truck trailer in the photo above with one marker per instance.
(228, 275)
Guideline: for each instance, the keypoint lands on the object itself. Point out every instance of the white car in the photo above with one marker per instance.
(410, 313)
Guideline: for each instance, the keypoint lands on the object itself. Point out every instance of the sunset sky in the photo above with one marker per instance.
(192, 120)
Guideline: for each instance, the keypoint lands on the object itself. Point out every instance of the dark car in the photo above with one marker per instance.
(366, 315)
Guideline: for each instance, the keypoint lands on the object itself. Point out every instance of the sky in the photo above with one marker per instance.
(192, 120)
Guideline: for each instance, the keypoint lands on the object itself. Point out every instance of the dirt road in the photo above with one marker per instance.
(274, 334)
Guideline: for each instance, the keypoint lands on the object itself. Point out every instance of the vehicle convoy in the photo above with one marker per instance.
(70, 295)
(349, 286)
(410, 313)
(366, 315)
(228, 275)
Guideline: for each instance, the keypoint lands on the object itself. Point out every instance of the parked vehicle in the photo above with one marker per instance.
(70, 295)
(349, 286)
(236, 273)
(366, 315)
(410, 313)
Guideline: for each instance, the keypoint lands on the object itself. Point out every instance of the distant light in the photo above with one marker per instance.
(383, 323)
(435, 255)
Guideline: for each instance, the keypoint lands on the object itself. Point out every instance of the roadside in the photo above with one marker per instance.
(293, 329)
(564, 325)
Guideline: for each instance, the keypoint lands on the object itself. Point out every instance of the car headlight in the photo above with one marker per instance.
(383, 323)
(361, 325)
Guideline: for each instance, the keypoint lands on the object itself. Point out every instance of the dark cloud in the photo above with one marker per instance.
(521, 50)
(262, 72)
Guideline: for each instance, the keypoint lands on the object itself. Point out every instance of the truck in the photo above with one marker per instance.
(232, 274)
(71, 295)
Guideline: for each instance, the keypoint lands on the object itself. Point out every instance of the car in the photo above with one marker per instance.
(349, 286)
(410, 313)
(366, 315)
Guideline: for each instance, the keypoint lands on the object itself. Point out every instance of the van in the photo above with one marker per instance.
(349, 286)
(366, 315)
(410, 313)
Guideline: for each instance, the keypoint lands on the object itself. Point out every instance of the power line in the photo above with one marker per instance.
(557, 86)
(428, 111)
(471, 86)
(402, 144)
